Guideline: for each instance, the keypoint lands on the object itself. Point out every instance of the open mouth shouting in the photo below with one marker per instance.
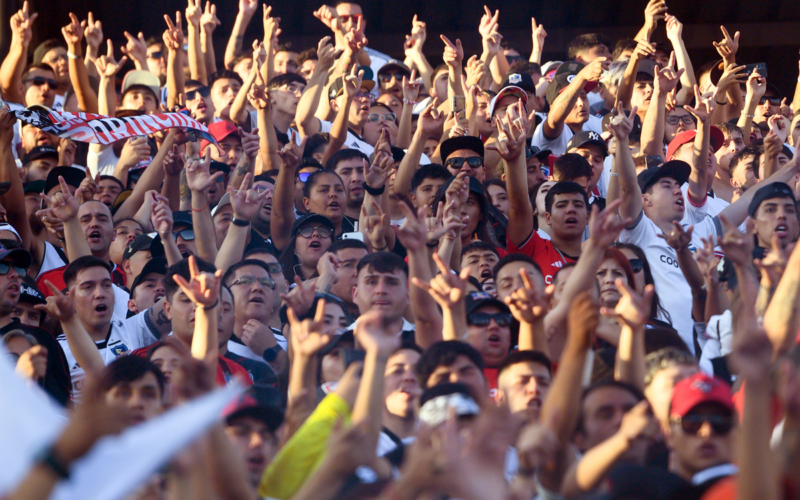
(782, 230)
(680, 204)
(94, 237)
(486, 273)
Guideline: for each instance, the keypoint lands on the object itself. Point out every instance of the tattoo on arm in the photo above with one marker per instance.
(243, 169)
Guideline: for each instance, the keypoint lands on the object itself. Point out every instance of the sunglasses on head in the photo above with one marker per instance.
(775, 101)
(674, 120)
(203, 91)
(154, 55)
(457, 163)
(387, 77)
(322, 231)
(386, 117)
(186, 234)
(691, 424)
(483, 319)
(636, 265)
(303, 176)
(346, 18)
(5, 268)
(38, 81)
(249, 280)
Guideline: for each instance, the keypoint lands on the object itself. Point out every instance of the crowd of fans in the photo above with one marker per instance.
(494, 278)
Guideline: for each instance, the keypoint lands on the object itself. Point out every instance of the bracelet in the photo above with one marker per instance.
(73, 56)
(432, 244)
(374, 191)
(407, 101)
(240, 222)
(614, 174)
(212, 306)
(380, 249)
(199, 209)
(47, 457)
(746, 115)
(721, 103)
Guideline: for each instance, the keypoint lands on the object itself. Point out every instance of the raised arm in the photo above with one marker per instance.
(539, 34)
(162, 223)
(65, 206)
(203, 290)
(247, 163)
(197, 65)
(415, 58)
(675, 36)
(782, 318)
(655, 10)
(632, 312)
(267, 139)
(200, 179)
(247, 9)
(511, 146)
(411, 88)
(108, 67)
(698, 178)
(430, 120)
(307, 340)
(136, 50)
(625, 89)
(652, 138)
(245, 203)
(16, 59)
(529, 307)
(554, 124)
(173, 40)
(756, 88)
(352, 85)
(208, 23)
(453, 57)
(151, 179)
(629, 192)
(238, 112)
(282, 216)
(78, 76)
(305, 116)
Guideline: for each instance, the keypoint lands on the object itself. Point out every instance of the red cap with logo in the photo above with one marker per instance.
(717, 139)
(697, 389)
(220, 130)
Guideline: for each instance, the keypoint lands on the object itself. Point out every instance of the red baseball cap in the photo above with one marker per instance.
(697, 389)
(717, 139)
(220, 130)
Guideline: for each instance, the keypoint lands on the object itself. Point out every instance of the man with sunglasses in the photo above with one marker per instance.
(285, 91)
(254, 306)
(39, 85)
(768, 105)
(464, 154)
(199, 103)
(702, 417)
(489, 331)
(390, 78)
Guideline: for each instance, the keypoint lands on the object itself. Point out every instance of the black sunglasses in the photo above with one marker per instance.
(691, 424)
(636, 265)
(775, 101)
(154, 55)
(203, 91)
(483, 319)
(307, 231)
(387, 77)
(186, 234)
(5, 268)
(473, 161)
(40, 80)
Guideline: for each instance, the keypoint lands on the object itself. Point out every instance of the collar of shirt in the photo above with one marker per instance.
(714, 472)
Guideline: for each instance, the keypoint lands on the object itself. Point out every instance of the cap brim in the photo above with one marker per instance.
(18, 256)
(717, 138)
(673, 169)
(390, 66)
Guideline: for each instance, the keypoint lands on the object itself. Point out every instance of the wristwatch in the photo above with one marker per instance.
(240, 222)
(270, 353)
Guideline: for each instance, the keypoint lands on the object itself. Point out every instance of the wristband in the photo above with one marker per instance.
(199, 209)
(432, 244)
(270, 353)
(374, 191)
(407, 101)
(240, 222)
(212, 306)
(48, 459)
(721, 103)
(746, 115)
(73, 56)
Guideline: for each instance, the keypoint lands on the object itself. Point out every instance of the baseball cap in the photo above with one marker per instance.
(541, 154)
(140, 242)
(648, 67)
(34, 187)
(337, 87)
(40, 152)
(310, 219)
(697, 389)
(153, 266)
(436, 401)
(225, 200)
(453, 144)
(395, 65)
(509, 90)
(716, 140)
(551, 67)
(674, 169)
(220, 130)
(144, 79)
(768, 192)
(563, 77)
(476, 300)
(584, 138)
(521, 80)
(72, 176)
(181, 217)
(18, 256)
(30, 294)
(45, 47)
(261, 402)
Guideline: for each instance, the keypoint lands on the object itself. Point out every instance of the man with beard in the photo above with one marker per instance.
(38, 163)
(350, 165)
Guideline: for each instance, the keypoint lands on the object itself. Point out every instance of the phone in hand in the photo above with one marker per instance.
(761, 67)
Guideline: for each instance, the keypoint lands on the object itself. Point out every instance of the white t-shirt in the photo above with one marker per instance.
(714, 204)
(104, 162)
(352, 141)
(671, 286)
(125, 336)
(50, 260)
(559, 145)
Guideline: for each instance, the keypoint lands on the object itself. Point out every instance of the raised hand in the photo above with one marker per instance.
(248, 8)
(89, 185)
(674, 28)
(328, 265)
(773, 264)
(291, 153)
(677, 238)
(594, 70)
(198, 176)
(356, 40)
(416, 39)
(93, 32)
(352, 82)
(738, 247)
(135, 48)
(632, 309)
(245, 202)
(582, 320)
(638, 423)
(32, 364)
(376, 225)
(539, 34)
(643, 50)
(733, 75)
(704, 105)
(308, 337)
(66, 151)
(259, 94)
(257, 336)
(777, 126)
(707, 261)
(271, 25)
(202, 288)
(446, 288)
(73, 32)
(372, 335)
(209, 20)
(412, 233)
(58, 306)
(756, 86)
(527, 304)
(411, 86)
(605, 226)
(488, 25)
(476, 71)
(655, 10)
(63, 205)
(21, 23)
(329, 17)
(173, 36)
(301, 297)
(379, 171)
(194, 11)
(458, 191)
(728, 47)
(107, 66)
(431, 119)
(453, 52)
(667, 78)
(326, 55)
(512, 133)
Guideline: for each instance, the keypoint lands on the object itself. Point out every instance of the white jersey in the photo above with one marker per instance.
(559, 145)
(124, 336)
(51, 259)
(671, 286)
(352, 141)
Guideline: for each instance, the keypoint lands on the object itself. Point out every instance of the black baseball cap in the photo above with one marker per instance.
(521, 80)
(140, 242)
(563, 77)
(181, 217)
(584, 138)
(261, 402)
(674, 169)
(30, 294)
(218, 166)
(19, 256)
(337, 87)
(40, 152)
(72, 176)
(541, 154)
(310, 219)
(453, 144)
(395, 65)
(768, 192)
(34, 187)
(476, 300)
(153, 266)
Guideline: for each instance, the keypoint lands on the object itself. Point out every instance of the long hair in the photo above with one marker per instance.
(655, 305)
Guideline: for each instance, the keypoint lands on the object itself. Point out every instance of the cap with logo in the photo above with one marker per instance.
(715, 141)
(454, 144)
(697, 389)
(585, 138)
(337, 87)
(140, 242)
(396, 66)
(674, 169)
(563, 78)
(220, 130)
(30, 294)
(72, 176)
(509, 91)
(143, 79)
(438, 401)
(521, 80)
(768, 192)
(40, 152)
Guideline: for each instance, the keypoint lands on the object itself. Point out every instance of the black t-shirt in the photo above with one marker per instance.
(348, 225)
(261, 373)
(56, 381)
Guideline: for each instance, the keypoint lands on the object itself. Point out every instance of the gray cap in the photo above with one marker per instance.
(225, 200)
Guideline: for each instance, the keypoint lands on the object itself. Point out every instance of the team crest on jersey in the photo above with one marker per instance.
(119, 349)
